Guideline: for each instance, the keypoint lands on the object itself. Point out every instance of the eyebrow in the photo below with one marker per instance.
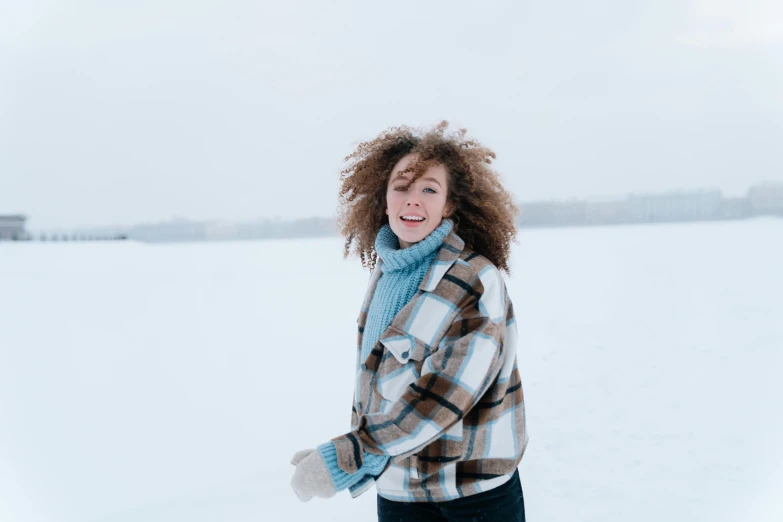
(400, 178)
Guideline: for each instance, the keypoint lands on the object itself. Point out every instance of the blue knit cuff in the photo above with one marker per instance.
(373, 465)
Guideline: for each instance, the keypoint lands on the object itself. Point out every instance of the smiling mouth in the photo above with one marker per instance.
(412, 220)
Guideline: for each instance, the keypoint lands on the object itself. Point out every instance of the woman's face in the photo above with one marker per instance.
(424, 201)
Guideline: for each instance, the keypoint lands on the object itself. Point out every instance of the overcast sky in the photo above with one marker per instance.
(115, 113)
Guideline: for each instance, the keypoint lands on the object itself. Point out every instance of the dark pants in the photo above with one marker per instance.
(503, 503)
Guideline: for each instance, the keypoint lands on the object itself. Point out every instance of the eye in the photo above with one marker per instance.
(402, 188)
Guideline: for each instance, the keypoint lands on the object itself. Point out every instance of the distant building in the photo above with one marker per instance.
(219, 230)
(675, 206)
(552, 213)
(663, 207)
(174, 230)
(12, 227)
(184, 230)
(604, 211)
(766, 198)
(734, 208)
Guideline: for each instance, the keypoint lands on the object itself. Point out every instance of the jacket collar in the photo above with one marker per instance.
(449, 252)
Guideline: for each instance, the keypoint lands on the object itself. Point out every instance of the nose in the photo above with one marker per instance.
(412, 200)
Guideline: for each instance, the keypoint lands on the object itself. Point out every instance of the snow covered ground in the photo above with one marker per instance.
(152, 383)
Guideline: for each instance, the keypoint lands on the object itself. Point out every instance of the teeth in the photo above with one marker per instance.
(411, 218)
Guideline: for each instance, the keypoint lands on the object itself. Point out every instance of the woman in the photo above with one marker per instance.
(438, 419)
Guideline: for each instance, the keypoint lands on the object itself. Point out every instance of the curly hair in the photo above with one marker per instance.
(483, 211)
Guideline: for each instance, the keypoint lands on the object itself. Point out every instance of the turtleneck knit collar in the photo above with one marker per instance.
(387, 245)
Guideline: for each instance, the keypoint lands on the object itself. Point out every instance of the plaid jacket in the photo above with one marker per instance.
(440, 392)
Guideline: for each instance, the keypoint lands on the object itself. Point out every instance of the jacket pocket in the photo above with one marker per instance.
(399, 366)
(404, 346)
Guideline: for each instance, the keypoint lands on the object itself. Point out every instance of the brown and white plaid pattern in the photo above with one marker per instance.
(440, 392)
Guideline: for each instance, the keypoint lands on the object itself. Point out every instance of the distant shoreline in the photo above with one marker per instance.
(764, 199)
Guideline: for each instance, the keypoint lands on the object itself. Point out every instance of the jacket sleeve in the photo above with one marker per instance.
(461, 372)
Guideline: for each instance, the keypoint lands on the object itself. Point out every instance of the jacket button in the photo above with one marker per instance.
(405, 354)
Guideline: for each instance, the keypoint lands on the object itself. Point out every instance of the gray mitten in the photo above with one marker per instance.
(312, 478)
(299, 455)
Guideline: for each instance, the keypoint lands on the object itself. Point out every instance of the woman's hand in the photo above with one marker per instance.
(311, 478)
